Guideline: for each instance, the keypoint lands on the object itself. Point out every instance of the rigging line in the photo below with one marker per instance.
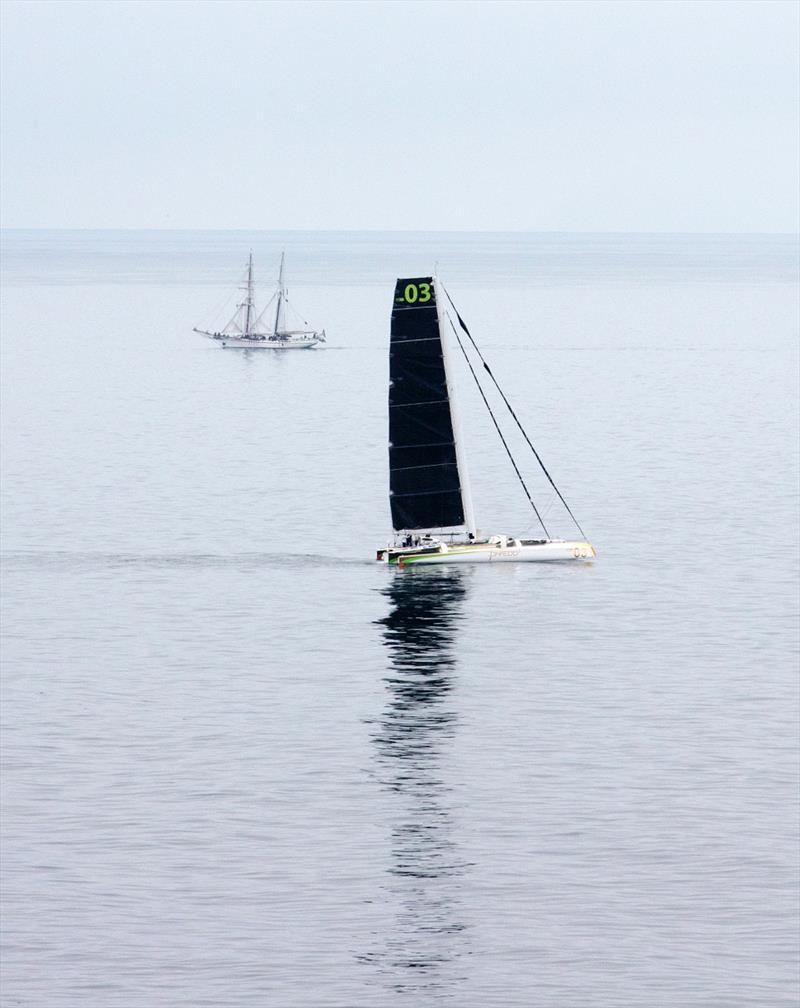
(497, 426)
(221, 307)
(263, 311)
(294, 311)
(463, 325)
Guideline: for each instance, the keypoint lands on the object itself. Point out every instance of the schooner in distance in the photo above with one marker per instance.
(250, 329)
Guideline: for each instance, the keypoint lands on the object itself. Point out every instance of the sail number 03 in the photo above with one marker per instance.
(417, 293)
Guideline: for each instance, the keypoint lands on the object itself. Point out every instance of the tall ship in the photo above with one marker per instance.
(268, 329)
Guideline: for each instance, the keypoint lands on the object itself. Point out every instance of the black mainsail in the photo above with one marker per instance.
(425, 486)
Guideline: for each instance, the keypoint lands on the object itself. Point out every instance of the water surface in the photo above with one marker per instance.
(245, 765)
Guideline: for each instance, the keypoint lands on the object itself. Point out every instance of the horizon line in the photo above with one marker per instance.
(520, 231)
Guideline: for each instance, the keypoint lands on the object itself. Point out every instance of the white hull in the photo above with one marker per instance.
(291, 343)
(513, 551)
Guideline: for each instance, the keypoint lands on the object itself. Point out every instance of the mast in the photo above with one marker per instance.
(280, 295)
(466, 492)
(249, 299)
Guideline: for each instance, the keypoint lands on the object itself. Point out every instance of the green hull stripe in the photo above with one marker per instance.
(430, 556)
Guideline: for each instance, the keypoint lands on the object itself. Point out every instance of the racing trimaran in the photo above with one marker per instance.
(429, 491)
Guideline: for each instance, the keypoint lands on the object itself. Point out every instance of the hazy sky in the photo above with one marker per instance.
(619, 116)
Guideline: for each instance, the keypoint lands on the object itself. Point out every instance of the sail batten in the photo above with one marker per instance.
(424, 478)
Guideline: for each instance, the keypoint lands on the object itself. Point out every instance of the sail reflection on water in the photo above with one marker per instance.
(420, 953)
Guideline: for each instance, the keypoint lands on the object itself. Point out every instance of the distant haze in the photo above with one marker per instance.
(401, 115)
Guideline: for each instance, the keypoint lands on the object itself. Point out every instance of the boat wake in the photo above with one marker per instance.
(66, 558)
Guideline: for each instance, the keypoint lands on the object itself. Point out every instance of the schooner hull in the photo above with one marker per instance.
(232, 343)
(463, 553)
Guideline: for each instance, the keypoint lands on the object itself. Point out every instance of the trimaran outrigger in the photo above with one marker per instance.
(250, 329)
(430, 496)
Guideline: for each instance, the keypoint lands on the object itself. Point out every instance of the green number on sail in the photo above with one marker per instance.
(413, 293)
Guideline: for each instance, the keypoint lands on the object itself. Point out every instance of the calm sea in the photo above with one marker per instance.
(244, 765)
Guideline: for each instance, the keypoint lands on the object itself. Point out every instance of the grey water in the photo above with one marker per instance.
(243, 764)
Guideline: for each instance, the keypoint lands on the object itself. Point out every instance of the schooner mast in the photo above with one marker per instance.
(248, 304)
(281, 295)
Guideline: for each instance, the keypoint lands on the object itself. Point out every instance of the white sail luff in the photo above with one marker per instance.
(461, 461)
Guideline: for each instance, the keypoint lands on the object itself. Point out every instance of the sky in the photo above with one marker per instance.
(448, 115)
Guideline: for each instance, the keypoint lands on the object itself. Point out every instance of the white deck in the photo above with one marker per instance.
(505, 551)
